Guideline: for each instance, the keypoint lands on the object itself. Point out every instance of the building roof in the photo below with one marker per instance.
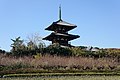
(61, 23)
(55, 35)
(64, 23)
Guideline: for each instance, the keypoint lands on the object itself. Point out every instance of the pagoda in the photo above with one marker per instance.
(60, 30)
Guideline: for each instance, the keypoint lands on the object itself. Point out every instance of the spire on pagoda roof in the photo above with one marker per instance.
(60, 13)
(60, 21)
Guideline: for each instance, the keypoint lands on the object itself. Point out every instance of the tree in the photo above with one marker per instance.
(17, 43)
(34, 46)
(35, 43)
(18, 47)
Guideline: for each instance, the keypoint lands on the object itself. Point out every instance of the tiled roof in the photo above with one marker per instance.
(54, 25)
(70, 36)
(61, 22)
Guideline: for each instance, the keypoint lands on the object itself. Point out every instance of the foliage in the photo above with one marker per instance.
(112, 52)
(17, 46)
(78, 51)
(35, 46)
(56, 49)
(20, 49)
(2, 51)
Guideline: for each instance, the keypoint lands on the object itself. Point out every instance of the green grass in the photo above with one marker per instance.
(65, 78)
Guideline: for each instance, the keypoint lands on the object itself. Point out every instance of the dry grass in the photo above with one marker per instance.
(49, 62)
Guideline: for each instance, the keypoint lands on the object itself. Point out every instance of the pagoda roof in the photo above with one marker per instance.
(55, 35)
(60, 23)
(64, 23)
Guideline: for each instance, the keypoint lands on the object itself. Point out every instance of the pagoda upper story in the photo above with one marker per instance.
(60, 30)
(61, 26)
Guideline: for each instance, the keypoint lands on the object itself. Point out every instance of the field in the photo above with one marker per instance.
(66, 78)
(59, 68)
(10, 64)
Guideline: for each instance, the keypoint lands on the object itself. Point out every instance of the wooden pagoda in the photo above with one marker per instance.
(60, 30)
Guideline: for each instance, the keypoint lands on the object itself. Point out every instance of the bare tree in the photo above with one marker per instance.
(35, 41)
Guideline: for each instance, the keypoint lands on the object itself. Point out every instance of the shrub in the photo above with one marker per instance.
(56, 49)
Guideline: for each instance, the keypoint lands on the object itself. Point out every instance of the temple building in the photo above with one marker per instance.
(60, 30)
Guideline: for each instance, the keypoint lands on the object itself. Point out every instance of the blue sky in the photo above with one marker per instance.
(98, 21)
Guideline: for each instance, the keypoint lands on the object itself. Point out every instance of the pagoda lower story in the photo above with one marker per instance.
(62, 39)
(60, 30)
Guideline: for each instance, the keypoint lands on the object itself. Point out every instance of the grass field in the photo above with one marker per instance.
(65, 78)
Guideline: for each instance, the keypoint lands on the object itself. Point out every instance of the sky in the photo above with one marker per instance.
(98, 21)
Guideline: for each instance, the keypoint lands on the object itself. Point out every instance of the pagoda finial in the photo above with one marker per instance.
(60, 12)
